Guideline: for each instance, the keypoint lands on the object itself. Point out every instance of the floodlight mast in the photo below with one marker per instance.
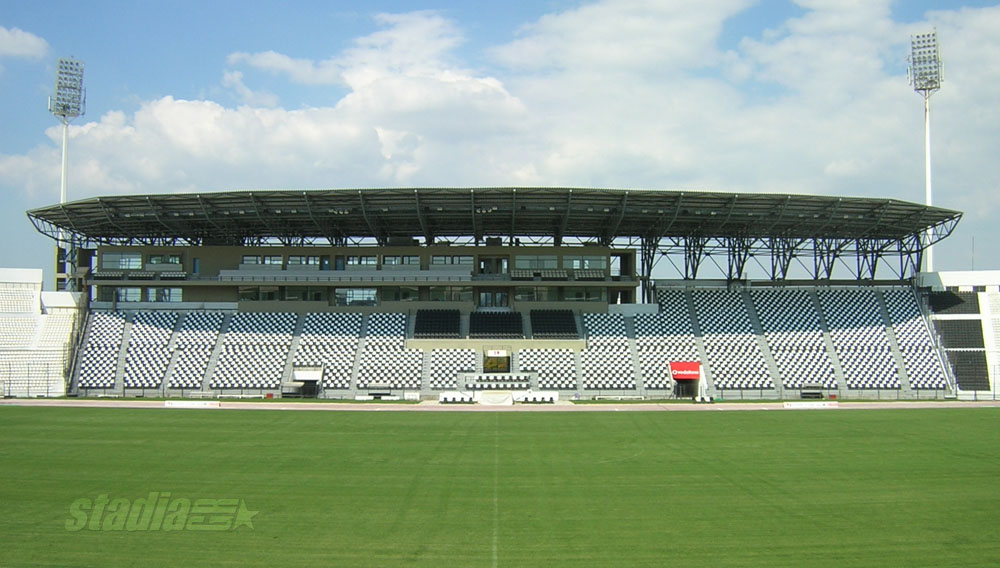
(925, 76)
(68, 102)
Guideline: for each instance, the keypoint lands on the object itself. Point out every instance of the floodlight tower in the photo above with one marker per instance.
(68, 102)
(925, 76)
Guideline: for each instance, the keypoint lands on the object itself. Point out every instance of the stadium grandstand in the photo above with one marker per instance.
(499, 294)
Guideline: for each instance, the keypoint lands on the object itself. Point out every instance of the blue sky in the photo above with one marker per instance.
(807, 96)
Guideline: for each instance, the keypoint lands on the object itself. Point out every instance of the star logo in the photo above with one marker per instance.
(244, 516)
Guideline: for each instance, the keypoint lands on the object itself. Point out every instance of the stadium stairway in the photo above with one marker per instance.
(640, 386)
(213, 359)
(831, 351)
(765, 348)
(289, 373)
(425, 374)
(700, 343)
(119, 388)
(905, 389)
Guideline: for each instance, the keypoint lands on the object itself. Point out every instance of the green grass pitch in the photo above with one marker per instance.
(755, 488)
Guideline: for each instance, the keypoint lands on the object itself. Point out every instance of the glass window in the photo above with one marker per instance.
(164, 259)
(272, 260)
(268, 293)
(298, 260)
(458, 259)
(121, 261)
(250, 259)
(164, 295)
(249, 294)
(397, 260)
(588, 294)
(129, 294)
(536, 294)
(585, 262)
(450, 293)
(536, 262)
(362, 261)
(400, 293)
(355, 296)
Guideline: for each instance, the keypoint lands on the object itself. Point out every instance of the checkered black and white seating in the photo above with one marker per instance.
(147, 357)
(607, 369)
(255, 351)
(99, 361)
(391, 369)
(446, 364)
(250, 366)
(97, 366)
(655, 368)
(794, 332)
(330, 340)
(920, 356)
(854, 318)
(664, 337)
(196, 336)
(152, 328)
(261, 328)
(605, 331)
(145, 365)
(556, 368)
(386, 332)
(606, 363)
(189, 367)
(734, 356)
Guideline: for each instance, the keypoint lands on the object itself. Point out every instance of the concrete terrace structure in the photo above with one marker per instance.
(422, 292)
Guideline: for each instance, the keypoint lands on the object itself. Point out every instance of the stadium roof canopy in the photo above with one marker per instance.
(601, 215)
(694, 225)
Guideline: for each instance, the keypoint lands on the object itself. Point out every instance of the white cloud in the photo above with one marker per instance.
(234, 80)
(302, 71)
(415, 44)
(623, 36)
(15, 42)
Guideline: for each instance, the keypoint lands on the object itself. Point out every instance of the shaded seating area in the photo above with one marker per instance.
(950, 303)
(496, 325)
(970, 370)
(553, 324)
(437, 324)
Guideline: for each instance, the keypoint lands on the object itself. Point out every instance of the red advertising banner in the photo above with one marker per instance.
(685, 370)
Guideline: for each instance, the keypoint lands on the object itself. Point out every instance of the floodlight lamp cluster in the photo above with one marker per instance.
(70, 98)
(925, 63)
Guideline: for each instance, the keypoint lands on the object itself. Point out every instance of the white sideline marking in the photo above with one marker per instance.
(191, 404)
(496, 485)
(812, 404)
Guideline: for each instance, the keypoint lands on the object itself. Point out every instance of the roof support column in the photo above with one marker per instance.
(868, 255)
(738, 251)
(783, 251)
(825, 252)
(911, 254)
(694, 252)
(647, 253)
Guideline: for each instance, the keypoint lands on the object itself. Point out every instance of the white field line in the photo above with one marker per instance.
(496, 489)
